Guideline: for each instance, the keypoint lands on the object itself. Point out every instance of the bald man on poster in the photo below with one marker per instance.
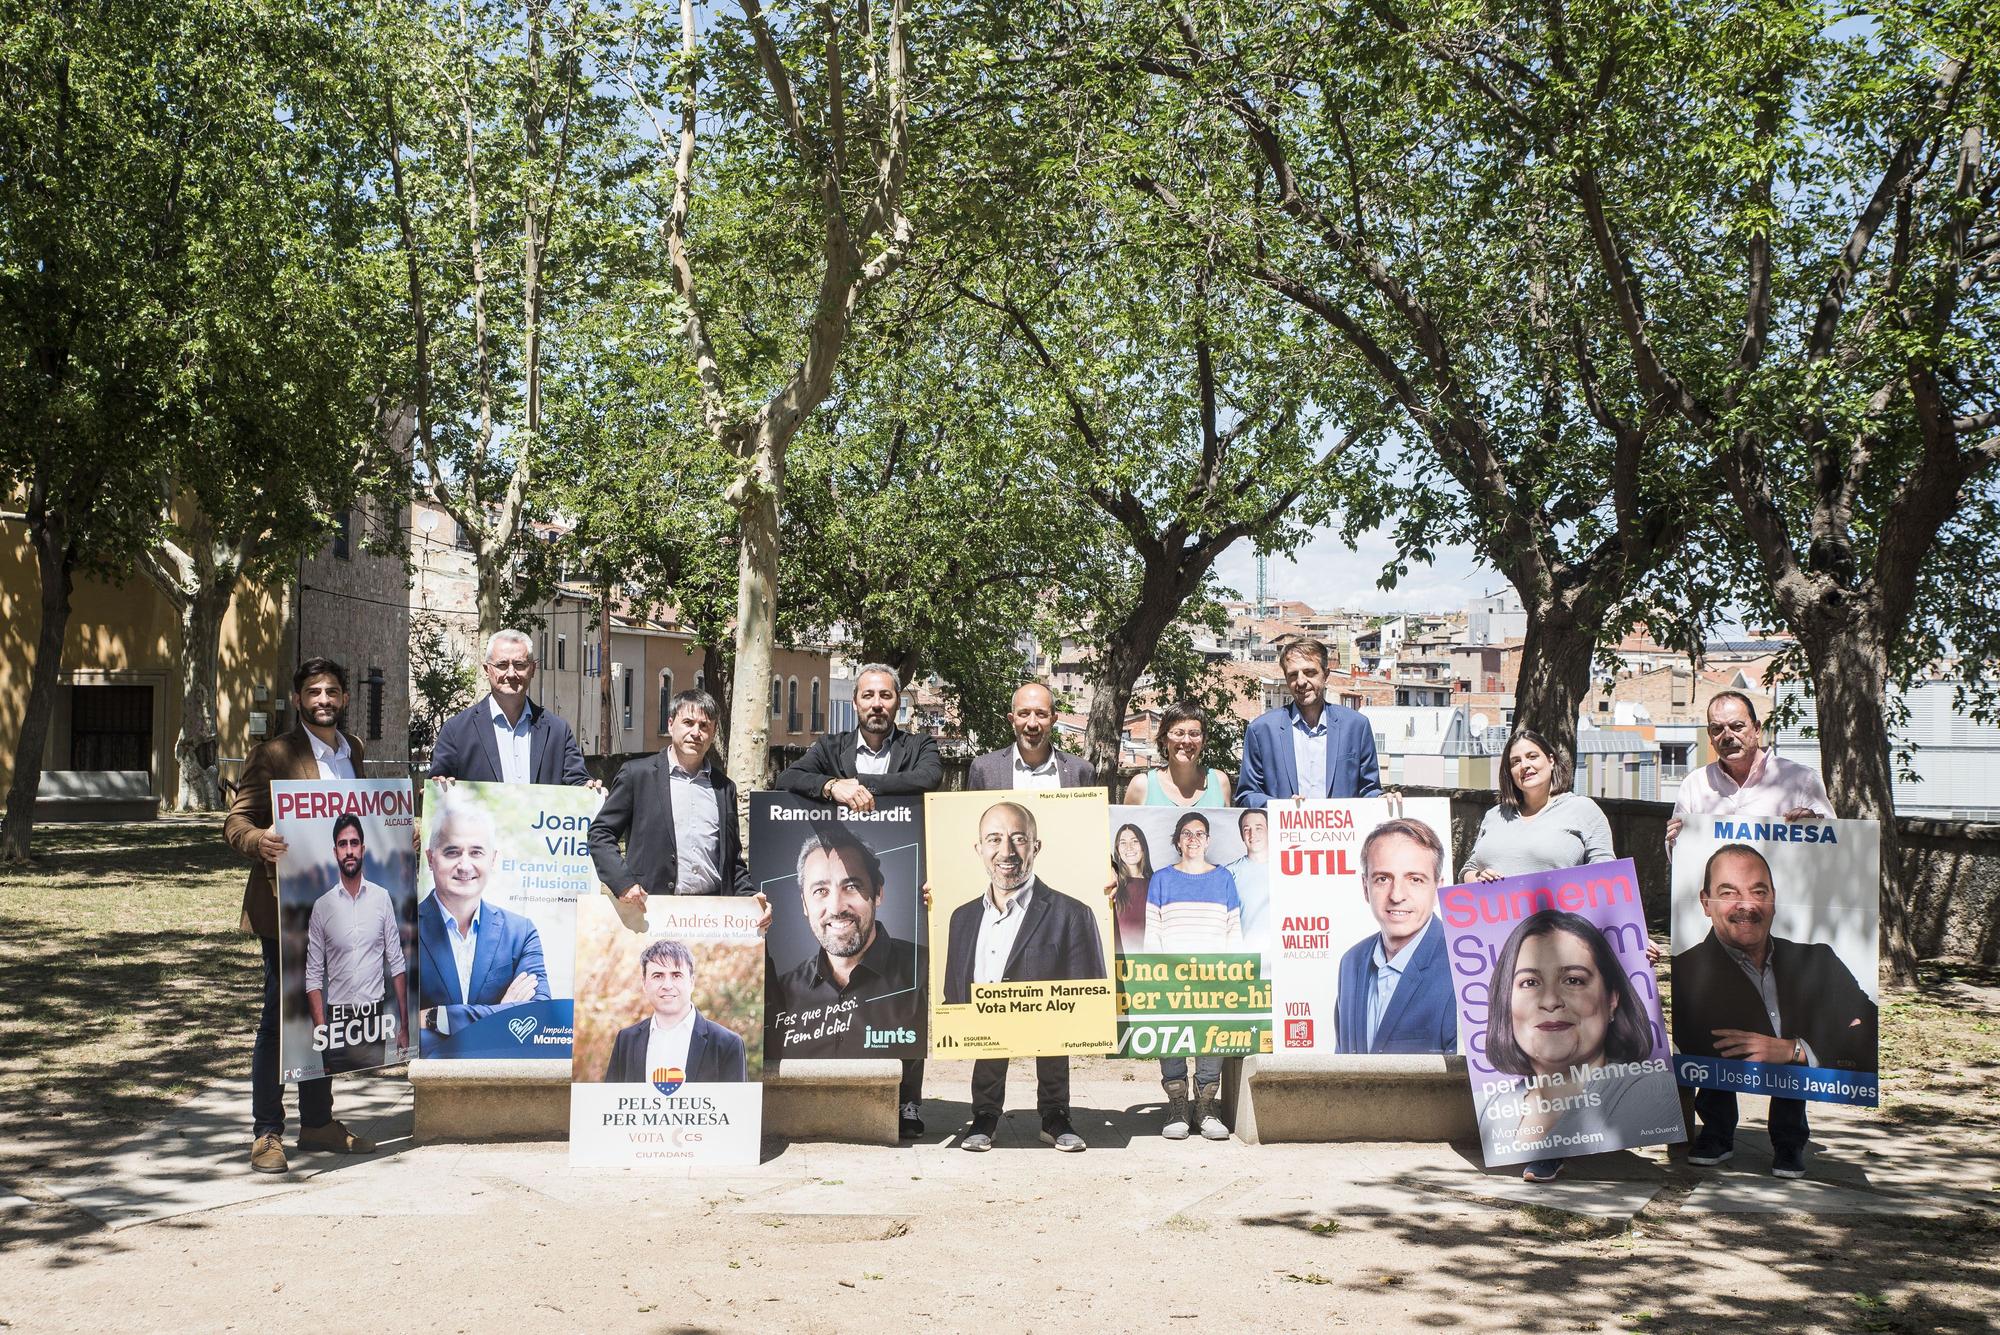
(1022, 930)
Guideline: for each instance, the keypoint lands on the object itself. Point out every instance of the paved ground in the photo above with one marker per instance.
(1895, 1231)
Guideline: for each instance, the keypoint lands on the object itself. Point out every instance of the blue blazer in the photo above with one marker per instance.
(508, 945)
(466, 750)
(1422, 1015)
(715, 1055)
(1271, 771)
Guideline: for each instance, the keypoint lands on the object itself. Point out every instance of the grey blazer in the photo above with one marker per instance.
(995, 770)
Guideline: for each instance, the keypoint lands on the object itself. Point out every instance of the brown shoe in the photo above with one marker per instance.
(267, 1155)
(335, 1137)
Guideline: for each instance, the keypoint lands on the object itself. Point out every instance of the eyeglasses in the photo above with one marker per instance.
(517, 665)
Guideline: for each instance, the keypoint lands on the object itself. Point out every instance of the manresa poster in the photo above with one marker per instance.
(1190, 983)
(504, 865)
(669, 1033)
(1355, 896)
(845, 953)
(1020, 923)
(347, 925)
(1565, 1048)
(1774, 930)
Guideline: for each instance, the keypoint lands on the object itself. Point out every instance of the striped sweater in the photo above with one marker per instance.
(1193, 912)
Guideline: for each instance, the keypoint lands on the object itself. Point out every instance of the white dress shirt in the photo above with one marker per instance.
(667, 1045)
(351, 942)
(463, 948)
(516, 759)
(998, 930)
(1309, 753)
(1042, 776)
(697, 830)
(873, 762)
(335, 762)
(1773, 787)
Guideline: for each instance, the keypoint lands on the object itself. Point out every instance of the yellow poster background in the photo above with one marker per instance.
(1068, 1017)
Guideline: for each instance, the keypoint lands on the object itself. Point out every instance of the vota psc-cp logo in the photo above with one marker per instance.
(667, 1079)
(1298, 1033)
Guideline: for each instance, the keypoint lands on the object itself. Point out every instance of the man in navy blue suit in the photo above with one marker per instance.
(675, 1036)
(1395, 985)
(506, 737)
(1309, 748)
(477, 957)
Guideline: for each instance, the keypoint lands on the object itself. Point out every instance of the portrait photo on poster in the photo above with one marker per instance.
(845, 956)
(347, 939)
(503, 866)
(1775, 957)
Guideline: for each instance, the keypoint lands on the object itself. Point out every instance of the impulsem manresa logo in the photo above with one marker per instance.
(667, 1079)
(522, 1027)
(1298, 1033)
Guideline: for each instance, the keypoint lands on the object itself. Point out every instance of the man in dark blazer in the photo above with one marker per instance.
(1309, 748)
(1395, 984)
(675, 813)
(1748, 995)
(849, 769)
(315, 748)
(1047, 935)
(675, 1035)
(505, 737)
(1032, 761)
(477, 957)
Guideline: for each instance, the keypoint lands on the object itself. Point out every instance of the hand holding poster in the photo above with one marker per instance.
(669, 1033)
(1774, 966)
(504, 864)
(1018, 898)
(1564, 1044)
(1190, 983)
(347, 898)
(846, 960)
(1355, 900)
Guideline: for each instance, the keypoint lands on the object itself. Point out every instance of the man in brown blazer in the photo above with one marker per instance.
(315, 749)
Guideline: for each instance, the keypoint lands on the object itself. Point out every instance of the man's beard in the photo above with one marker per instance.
(848, 946)
(350, 867)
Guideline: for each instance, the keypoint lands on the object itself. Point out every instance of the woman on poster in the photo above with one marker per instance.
(1564, 1020)
(1132, 871)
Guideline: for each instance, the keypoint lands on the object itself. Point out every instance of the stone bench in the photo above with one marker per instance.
(1326, 1097)
(95, 794)
(525, 1099)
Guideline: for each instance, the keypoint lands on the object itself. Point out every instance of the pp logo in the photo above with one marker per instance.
(667, 1079)
(522, 1027)
(1298, 1033)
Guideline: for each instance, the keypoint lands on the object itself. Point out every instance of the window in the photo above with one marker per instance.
(666, 701)
(625, 696)
(777, 697)
(792, 723)
(343, 535)
(818, 719)
(374, 682)
(562, 653)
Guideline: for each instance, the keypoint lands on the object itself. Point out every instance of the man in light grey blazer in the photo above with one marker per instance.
(1032, 761)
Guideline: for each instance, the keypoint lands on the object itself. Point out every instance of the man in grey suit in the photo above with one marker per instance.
(1031, 762)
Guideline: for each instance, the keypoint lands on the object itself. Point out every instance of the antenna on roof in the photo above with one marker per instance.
(1263, 585)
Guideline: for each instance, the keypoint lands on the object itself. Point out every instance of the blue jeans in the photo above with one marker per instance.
(1207, 1070)
(267, 1092)
(1716, 1110)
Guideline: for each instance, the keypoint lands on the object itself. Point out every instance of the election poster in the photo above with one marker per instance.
(669, 1033)
(845, 955)
(1190, 981)
(1020, 924)
(503, 866)
(347, 925)
(1355, 896)
(1564, 1045)
(1774, 966)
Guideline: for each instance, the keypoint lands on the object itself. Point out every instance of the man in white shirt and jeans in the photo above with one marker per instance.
(353, 941)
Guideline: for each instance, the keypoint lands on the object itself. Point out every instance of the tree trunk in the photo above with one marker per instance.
(1555, 675)
(1128, 650)
(56, 565)
(756, 617)
(1850, 673)
(201, 653)
(492, 574)
(715, 679)
(604, 671)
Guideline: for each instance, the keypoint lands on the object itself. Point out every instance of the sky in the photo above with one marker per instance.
(1326, 574)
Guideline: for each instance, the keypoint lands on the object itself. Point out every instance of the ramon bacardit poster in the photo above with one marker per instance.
(1774, 968)
(669, 1033)
(845, 955)
(504, 864)
(1020, 923)
(1565, 1049)
(347, 925)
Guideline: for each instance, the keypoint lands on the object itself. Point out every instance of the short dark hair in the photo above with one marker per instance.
(694, 697)
(1732, 695)
(1559, 768)
(1299, 648)
(343, 821)
(1248, 812)
(1708, 868)
(664, 952)
(839, 841)
(1180, 711)
(1415, 831)
(1191, 818)
(318, 667)
(1627, 1038)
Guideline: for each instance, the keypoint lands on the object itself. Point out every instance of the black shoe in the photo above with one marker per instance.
(1541, 1170)
(908, 1125)
(980, 1138)
(1789, 1162)
(1057, 1131)
(1709, 1150)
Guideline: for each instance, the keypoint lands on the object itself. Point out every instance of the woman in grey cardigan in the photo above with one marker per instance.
(1538, 825)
